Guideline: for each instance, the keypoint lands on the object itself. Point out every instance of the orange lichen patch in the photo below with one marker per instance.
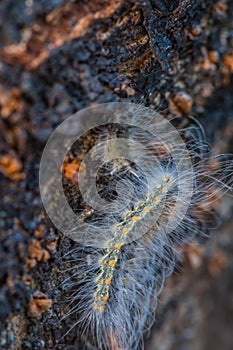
(194, 31)
(30, 263)
(228, 61)
(11, 167)
(10, 101)
(180, 103)
(213, 56)
(26, 279)
(193, 254)
(71, 168)
(208, 65)
(221, 7)
(36, 253)
(63, 24)
(39, 232)
(38, 304)
(51, 244)
(216, 263)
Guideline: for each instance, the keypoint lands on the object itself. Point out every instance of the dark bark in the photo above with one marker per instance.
(61, 56)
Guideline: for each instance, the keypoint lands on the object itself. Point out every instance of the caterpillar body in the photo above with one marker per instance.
(156, 189)
(121, 230)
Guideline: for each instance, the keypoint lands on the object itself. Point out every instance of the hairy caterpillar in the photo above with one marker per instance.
(141, 188)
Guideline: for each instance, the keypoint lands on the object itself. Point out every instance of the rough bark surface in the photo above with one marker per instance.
(58, 57)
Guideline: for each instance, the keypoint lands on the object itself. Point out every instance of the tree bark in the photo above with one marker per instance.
(58, 57)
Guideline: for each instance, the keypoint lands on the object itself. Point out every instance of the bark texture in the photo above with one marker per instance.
(58, 57)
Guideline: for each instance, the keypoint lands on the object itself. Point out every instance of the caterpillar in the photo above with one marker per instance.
(121, 230)
(140, 189)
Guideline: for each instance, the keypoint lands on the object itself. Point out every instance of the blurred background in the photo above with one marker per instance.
(57, 57)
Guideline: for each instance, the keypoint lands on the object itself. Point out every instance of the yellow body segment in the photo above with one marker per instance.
(108, 262)
(125, 230)
(118, 246)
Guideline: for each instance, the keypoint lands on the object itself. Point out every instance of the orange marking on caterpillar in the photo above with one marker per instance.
(147, 208)
(105, 297)
(125, 230)
(108, 281)
(118, 246)
(102, 297)
(112, 263)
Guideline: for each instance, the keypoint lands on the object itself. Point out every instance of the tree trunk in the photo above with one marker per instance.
(58, 57)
